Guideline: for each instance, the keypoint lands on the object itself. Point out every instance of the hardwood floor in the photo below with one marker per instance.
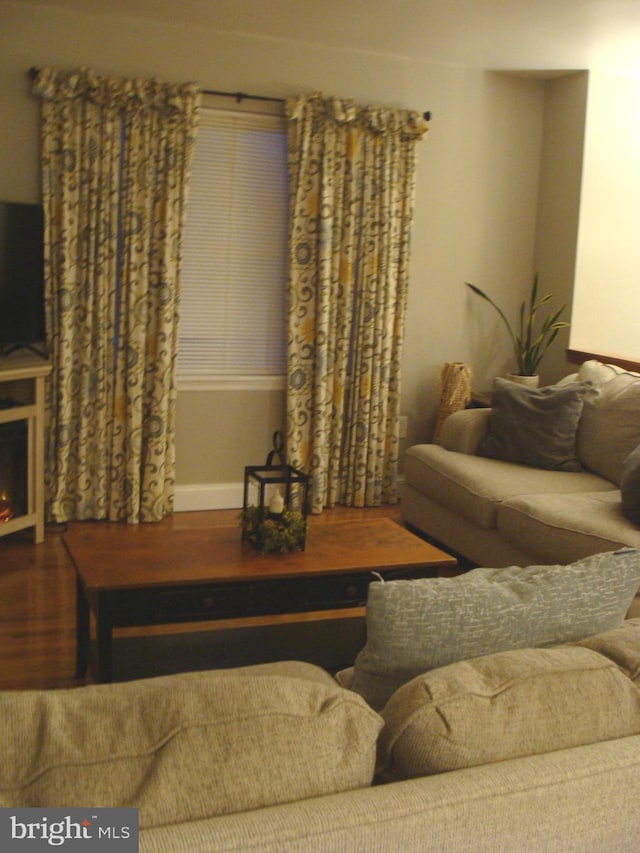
(37, 599)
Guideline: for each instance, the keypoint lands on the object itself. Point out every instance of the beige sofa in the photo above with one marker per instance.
(577, 799)
(529, 749)
(499, 513)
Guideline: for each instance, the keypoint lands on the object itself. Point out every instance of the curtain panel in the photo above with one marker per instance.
(115, 165)
(352, 186)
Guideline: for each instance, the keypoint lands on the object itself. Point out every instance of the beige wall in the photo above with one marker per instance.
(559, 202)
(476, 206)
(475, 221)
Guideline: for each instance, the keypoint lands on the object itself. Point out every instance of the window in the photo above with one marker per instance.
(232, 329)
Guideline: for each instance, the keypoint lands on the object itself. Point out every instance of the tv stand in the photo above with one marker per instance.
(22, 379)
(40, 351)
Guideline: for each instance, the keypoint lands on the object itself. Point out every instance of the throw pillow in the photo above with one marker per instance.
(503, 706)
(187, 746)
(630, 486)
(535, 426)
(415, 626)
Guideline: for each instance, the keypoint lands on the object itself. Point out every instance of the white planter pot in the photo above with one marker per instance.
(530, 381)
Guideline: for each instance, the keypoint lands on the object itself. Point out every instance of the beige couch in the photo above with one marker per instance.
(531, 749)
(500, 513)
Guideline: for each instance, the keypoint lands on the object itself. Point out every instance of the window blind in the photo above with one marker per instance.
(233, 272)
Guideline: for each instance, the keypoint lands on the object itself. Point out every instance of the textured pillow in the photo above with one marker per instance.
(630, 486)
(609, 428)
(535, 426)
(502, 706)
(414, 626)
(188, 746)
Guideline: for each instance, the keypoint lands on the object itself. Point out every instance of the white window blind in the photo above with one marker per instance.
(232, 305)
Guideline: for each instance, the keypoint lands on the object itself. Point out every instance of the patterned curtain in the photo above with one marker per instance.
(115, 157)
(352, 183)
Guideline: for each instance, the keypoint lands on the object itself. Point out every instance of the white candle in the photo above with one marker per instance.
(277, 504)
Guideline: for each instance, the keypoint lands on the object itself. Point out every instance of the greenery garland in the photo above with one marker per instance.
(270, 533)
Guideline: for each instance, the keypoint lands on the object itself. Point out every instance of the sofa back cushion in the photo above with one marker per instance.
(630, 486)
(609, 428)
(415, 626)
(187, 746)
(503, 706)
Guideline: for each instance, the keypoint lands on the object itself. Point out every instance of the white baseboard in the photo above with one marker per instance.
(202, 496)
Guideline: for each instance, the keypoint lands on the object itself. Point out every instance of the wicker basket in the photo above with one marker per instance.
(455, 392)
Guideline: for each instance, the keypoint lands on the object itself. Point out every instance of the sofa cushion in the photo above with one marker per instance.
(535, 426)
(415, 626)
(187, 746)
(609, 429)
(621, 645)
(502, 706)
(555, 528)
(630, 486)
(597, 372)
(475, 486)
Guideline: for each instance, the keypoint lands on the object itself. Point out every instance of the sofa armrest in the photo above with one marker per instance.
(462, 431)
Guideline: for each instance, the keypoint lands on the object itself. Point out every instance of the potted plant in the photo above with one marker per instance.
(529, 343)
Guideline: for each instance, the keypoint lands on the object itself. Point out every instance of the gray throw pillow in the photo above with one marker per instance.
(415, 626)
(630, 486)
(535, 426)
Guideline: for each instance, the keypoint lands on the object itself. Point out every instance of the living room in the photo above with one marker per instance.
(489, 208)
(500, 193)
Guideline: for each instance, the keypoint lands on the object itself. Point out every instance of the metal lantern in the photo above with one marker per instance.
(275, 503)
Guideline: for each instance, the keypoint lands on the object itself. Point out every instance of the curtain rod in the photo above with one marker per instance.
(242, 96)
(239, 96)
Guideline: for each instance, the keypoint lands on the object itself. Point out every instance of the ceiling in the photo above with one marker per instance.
(497, 34)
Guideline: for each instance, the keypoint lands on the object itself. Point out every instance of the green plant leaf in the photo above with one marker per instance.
(483, 295)
(529, 346)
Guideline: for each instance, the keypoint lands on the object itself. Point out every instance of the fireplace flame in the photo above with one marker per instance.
(6, 510)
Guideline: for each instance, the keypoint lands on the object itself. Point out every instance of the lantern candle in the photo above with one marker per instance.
(276, 506)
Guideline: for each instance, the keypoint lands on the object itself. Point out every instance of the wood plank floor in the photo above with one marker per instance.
(37, 599)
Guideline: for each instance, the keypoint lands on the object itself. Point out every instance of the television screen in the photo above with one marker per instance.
(21, 277)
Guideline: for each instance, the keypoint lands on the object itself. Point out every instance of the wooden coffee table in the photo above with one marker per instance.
(138, 575)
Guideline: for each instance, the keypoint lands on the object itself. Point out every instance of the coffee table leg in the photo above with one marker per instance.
(104, 633)
(82, 631)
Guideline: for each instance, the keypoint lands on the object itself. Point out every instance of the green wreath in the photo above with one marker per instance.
(274, 534)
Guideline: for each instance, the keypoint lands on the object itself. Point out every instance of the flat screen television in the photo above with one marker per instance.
(22, 323)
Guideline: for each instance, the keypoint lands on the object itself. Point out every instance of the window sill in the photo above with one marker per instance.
(232, 383)
(579, 356)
